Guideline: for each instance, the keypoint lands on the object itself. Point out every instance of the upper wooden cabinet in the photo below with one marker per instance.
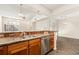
(3, 50)
(35, 47)
(18, 48)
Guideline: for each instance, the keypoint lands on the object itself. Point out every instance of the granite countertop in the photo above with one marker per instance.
(28, 31)
(10, 40)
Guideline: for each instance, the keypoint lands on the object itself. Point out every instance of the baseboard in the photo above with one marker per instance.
(68, 37)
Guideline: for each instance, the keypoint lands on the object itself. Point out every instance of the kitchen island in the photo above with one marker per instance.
(27, 45)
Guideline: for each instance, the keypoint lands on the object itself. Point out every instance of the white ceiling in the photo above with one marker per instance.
(44, 9)
(57, 10)
(33, 10)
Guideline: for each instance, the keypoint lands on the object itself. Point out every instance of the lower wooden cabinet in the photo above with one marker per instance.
(34, 47)
(51, 42)
(3, 50)
(20, 48)
(29, 47)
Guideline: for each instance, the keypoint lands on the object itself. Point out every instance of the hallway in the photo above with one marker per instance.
(66, 46)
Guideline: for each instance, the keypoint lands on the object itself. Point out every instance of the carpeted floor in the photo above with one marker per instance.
(66, 46)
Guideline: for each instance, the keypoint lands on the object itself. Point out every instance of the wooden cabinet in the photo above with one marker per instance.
(35, 47)
(20, 48)
(51, 40)
(51, 43)
(29, 47)
(3, 50)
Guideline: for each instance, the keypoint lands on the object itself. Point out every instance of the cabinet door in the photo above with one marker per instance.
(3, 50)
(21, 51)
(51, 42)
(35, 48)
(20, 48)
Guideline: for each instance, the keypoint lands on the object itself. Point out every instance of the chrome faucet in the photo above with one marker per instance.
(22, 35)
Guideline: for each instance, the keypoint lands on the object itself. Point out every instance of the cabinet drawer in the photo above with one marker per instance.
(16, 46)
(34, 41)
(19, 51)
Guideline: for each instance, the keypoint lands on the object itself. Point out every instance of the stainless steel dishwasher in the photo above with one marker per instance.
(44, 44)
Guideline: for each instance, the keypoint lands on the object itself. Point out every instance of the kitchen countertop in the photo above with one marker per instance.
(27, 31)
(10, 40)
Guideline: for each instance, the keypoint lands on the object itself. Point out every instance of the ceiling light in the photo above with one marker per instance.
(20, 14)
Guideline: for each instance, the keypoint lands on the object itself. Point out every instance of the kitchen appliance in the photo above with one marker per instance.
(44, 44)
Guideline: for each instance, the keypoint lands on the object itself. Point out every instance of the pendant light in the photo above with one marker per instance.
(20, 12)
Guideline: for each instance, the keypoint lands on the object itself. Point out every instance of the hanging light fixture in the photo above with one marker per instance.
(20, 12)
